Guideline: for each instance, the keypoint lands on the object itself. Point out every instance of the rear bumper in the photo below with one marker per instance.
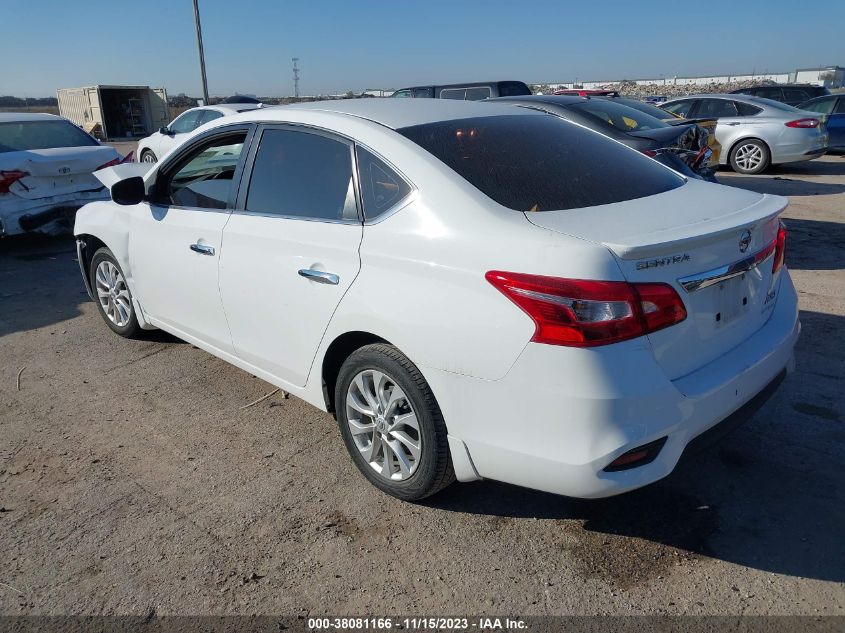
(19, 215)
(561, 415)
(797, 147)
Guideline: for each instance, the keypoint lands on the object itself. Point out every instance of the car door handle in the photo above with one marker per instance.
(202, 249)
(319, 276)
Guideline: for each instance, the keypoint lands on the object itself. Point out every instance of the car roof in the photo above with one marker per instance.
(14, 117)
(234, 108)
(550, 99)
(466, 84)
(391, 113)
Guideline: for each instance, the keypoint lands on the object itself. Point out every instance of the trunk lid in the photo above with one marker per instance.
(694, 231)
(56, 171)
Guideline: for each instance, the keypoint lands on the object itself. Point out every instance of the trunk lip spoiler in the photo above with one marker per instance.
(708, 278)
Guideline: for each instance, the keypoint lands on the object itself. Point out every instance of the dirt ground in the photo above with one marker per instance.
(131, 482)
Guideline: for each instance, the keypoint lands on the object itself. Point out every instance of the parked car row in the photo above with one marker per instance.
(475, 290)
(46, 172)
(756, 132)
(747, 133)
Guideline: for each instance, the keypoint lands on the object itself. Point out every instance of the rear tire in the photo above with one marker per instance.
(147, 156)
(111, 294)
(391, 424)
(750, 156)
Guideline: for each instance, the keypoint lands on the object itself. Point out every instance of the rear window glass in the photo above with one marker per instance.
(513, 89)
(618, 115)
(538, 162)
(18, 136)
(746, 109)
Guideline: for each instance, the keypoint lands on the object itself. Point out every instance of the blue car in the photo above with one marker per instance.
(833, 107)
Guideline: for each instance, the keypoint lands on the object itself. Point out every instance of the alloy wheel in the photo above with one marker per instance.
(148, 158)
(749, 156)
(113, 294)
(383, 425)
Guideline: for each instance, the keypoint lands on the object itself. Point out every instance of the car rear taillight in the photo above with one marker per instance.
(8, 178)
(780, 248)
(649, 152)
(586, 313)
(111, 163)
(803, 123)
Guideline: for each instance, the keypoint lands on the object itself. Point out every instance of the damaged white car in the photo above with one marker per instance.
(46, 172)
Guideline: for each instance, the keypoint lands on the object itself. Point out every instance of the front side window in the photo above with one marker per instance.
(17, 136)
(402, 94)
(205, 178)
(716, 108)
(822, 106)
(381, 186)
(681, 108)
(423, 93)
(186, 122)
(533, 162)
(302, 175)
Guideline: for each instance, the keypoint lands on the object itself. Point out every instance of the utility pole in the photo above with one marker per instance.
(295, 61)
(202, 55)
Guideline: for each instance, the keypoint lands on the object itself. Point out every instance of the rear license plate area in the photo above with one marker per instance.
(731, 300)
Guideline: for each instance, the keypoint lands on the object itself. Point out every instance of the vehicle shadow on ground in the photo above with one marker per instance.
(781, 185)
(815, 244)
(40, 283)
(768, 496)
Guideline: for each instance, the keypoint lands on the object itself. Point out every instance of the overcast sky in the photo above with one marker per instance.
(352, 45)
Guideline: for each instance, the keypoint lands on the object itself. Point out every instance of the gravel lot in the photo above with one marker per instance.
(131, 482)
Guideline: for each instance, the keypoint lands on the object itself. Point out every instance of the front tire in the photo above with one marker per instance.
(147, 156)
(750, 156)
(391, 423)
(111, 294)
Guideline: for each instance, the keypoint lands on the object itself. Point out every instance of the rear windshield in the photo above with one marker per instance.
(531, 162)
(23, 135)
(513, 89)
(619, 116)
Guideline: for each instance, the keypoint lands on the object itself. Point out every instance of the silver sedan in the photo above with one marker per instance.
(756, 132)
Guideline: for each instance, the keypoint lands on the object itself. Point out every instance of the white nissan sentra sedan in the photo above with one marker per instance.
(475, 291)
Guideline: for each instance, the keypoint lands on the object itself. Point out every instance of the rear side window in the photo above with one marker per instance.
(746, 109)
(531, 162)
(796, 95)
(822, 106)
(840, 107)
(18, 136)
(681, 108)
(302, 175)
(381, 186)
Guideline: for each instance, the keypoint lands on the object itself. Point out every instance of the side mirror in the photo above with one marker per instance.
(128, 191)
(164, 130)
